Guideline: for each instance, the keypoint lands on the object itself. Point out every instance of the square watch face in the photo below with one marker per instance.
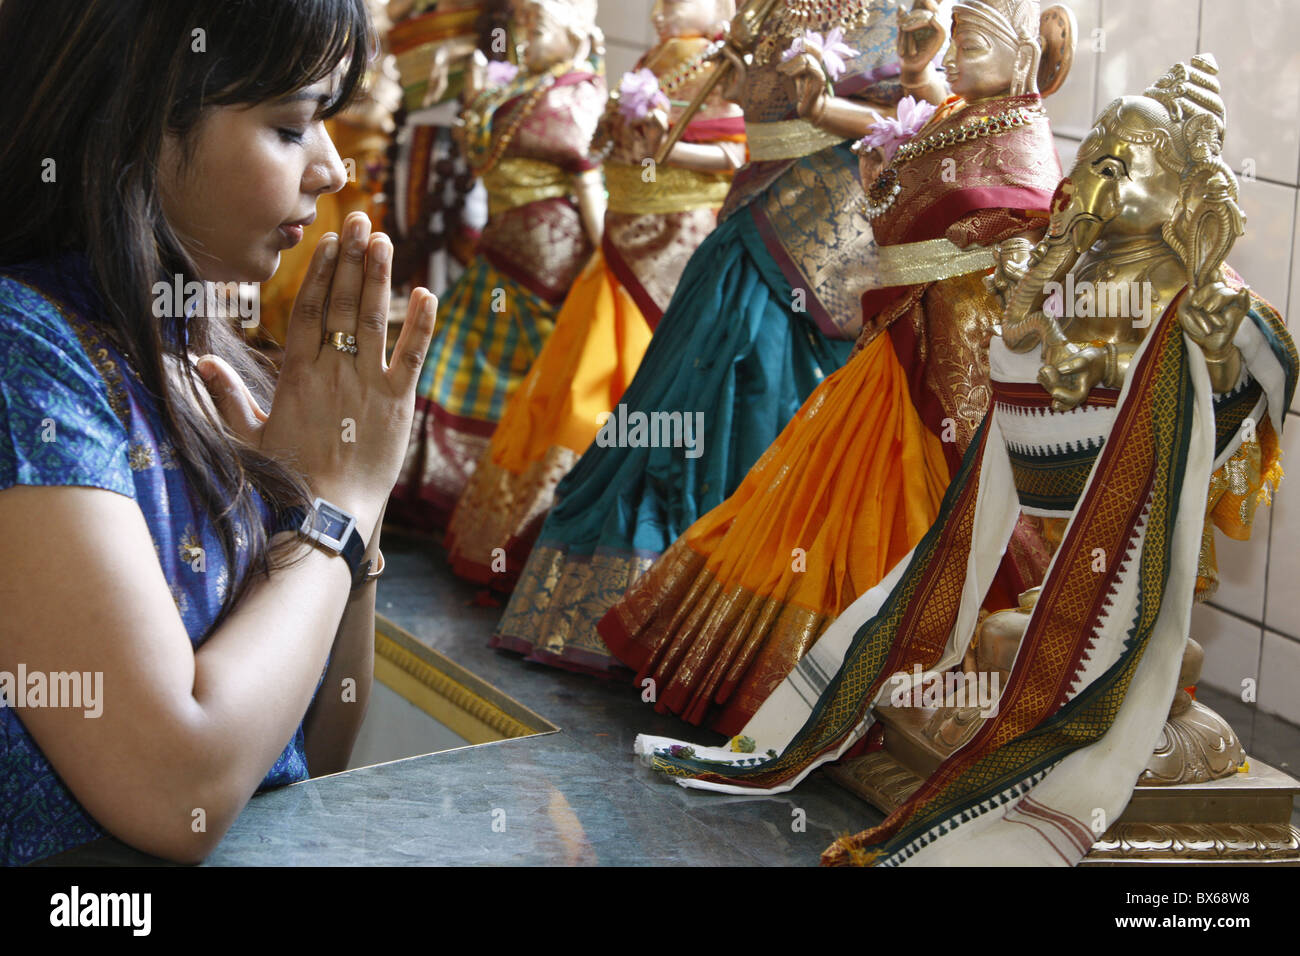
(329, 522)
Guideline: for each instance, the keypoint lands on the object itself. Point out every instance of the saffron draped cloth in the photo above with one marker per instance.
(652, 226)
(856, 478)
(1098, 666)
(759, 318)
(495, 320)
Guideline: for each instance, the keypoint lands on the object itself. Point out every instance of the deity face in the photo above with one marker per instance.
(979, 65)
(1118, 177)
(682, 18)
(1118, 189)
(548, 41)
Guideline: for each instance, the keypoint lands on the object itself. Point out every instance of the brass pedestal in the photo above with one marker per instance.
(1245, 818)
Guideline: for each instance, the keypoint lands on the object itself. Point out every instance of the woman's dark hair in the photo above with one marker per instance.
(95, 85)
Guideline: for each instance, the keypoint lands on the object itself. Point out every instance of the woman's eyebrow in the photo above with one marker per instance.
(322, 99)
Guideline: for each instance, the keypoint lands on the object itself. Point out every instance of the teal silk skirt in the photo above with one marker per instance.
(729, 347)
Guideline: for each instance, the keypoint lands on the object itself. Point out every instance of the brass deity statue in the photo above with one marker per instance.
(1148, 213)
(1150, 204)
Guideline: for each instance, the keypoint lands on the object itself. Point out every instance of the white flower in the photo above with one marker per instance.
(831, 49)
(500, 72)
(639, 95)
(892, 133)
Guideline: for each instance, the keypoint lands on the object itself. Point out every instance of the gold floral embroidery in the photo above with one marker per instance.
(191, 549)
(139, 457)
(182, 600)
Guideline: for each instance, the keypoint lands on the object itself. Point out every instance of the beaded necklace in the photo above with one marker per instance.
(794, 17)
(480, 153)
(885, 188)
(688, 70)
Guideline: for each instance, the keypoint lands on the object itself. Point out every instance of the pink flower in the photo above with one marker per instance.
(831, 50)
(893, 133)
(639, 95)
(501, 72)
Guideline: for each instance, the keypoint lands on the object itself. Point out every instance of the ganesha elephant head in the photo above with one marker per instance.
(1149, 176)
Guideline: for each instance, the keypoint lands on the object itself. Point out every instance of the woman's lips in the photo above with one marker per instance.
(293, 234)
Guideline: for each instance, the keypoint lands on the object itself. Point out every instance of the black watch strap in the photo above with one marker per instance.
(352, 548)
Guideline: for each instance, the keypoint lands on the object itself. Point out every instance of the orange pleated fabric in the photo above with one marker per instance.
(847, 490)
(599, 338)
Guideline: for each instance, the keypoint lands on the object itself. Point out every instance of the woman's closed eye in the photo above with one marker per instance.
(291, 135)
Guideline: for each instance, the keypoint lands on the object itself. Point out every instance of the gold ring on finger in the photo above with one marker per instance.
(343, 341)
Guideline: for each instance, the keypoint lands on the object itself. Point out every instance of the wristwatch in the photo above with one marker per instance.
(334, 531)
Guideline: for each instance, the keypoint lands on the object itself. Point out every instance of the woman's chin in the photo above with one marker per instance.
(262, 269)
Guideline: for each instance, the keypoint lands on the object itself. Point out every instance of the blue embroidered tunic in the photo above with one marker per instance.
(73, 413)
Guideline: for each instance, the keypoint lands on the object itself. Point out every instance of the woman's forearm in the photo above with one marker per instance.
(332, 723)
(254, 678)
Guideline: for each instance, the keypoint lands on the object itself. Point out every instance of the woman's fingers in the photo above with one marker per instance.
(345, 290)
(413, 342)
(236, 404)
(372, 320)
(306, 321)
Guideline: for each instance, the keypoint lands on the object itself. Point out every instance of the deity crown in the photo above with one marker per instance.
(1014, 21)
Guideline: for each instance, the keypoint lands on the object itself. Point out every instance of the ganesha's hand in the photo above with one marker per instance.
(1011, 261)
(1070, 380)
(1211, 316)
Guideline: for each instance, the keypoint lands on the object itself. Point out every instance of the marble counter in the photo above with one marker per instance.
(576, 797)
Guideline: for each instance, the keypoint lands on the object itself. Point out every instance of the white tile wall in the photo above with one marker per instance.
(1231, 647)
(1279, 677)
(628, 34)
(1066, 149)
(627, 21)
(1283, 611)
(620, 58)
(1259, 63)
(1142, 39)
(1263, 255)
(1072, 107)
(1243, 568)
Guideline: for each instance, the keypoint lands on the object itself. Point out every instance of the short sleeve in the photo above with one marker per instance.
(57, 424)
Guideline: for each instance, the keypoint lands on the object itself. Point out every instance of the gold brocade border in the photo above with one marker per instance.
(708, 641)
(447, 692)
(499, 505)
(930, 261)
(560, 598)
(517, 181)
(787, 139)
(673, 189)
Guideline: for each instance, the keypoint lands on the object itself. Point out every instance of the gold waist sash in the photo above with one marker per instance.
(517, 181)
(787, 139)
(673, 189)
(915, 262)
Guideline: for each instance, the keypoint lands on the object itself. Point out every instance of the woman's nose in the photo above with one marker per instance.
(328, 173)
